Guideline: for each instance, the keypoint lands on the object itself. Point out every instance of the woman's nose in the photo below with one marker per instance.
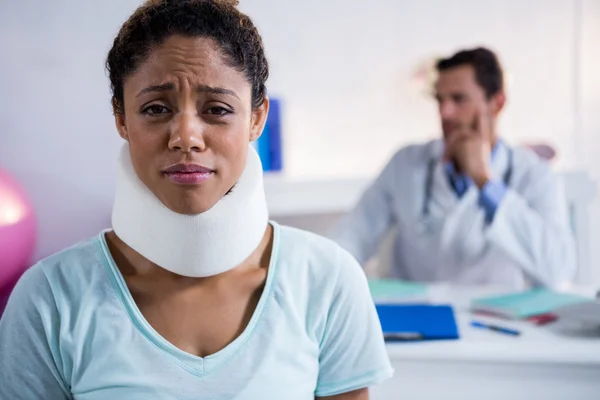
(187, 133)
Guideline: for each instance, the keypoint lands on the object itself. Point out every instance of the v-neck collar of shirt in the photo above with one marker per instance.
(196, 365)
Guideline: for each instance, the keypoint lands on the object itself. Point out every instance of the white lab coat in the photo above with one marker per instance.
(529, 241)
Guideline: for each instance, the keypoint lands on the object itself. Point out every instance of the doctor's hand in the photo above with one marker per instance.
(470, 148)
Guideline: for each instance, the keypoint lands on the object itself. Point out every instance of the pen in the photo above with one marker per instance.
(495, 328)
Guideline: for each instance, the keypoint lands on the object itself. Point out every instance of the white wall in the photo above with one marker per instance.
(343, 67)
(56, 132)
(348, 84)
(588, 113)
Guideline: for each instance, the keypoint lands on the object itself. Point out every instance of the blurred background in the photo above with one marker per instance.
(353, 80)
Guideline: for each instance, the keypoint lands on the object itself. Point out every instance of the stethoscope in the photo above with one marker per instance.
(429, 180)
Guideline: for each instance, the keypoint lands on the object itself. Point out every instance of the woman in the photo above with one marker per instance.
(193, 294)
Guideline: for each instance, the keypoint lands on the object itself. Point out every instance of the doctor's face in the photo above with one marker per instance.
(460, 99)
(188, 118)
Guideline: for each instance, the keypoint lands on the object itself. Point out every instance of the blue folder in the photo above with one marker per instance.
(401, 322)
(275, 145)
(269, 144)
(263, 148)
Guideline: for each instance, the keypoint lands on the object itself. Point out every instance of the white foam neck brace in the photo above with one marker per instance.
(200, 245)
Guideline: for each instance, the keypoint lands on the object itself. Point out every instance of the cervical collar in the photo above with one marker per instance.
(199, 245)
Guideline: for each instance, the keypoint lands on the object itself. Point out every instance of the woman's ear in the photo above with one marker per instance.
(119, 114)
(259, 119)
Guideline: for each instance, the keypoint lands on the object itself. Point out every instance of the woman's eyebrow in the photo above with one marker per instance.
(216, 90)
(167, 87)
(201, 89)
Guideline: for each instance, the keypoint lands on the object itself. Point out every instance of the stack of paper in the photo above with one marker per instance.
(392, 290)
(526, 304)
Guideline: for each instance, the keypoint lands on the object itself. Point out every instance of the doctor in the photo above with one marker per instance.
(467, 208)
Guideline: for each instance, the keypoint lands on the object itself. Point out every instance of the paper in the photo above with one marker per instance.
(396, 289)
(526, 304)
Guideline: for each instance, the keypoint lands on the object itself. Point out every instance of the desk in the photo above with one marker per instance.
(539, 364)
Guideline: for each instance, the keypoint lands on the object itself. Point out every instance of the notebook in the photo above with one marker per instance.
(525, 304)
(405, 322)
(397, 290)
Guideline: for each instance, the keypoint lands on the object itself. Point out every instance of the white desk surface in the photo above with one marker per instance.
(534, 345)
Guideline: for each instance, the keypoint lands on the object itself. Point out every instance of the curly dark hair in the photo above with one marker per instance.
(157, 20)
(488, 71)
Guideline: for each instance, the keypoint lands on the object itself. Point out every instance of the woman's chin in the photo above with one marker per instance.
(190, 205)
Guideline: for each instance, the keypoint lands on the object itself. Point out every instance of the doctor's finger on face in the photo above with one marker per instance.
(470, 154)
(479, 129)
(459, 135)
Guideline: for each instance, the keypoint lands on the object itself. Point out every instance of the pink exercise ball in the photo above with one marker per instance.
(17, 233)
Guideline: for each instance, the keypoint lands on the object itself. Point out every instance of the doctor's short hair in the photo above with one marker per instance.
(488, 71)
(157, 20)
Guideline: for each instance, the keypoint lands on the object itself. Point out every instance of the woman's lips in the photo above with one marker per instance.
(188, 174)
(189, 178)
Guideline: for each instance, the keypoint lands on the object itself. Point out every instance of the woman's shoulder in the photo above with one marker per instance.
(316, 247)
(74, 268)
(60, 279)
(320, 280)
(87, 252)
(305, 254)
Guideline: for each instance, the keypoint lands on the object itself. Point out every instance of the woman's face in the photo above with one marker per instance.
(188, 120)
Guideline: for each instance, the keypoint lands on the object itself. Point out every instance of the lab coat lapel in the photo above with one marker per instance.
(443, 196)
(500, 161)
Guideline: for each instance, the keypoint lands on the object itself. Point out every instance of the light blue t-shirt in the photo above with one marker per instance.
(72, 330)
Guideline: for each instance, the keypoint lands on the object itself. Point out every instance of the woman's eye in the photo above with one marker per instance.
(155, 109)
(218, 111)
